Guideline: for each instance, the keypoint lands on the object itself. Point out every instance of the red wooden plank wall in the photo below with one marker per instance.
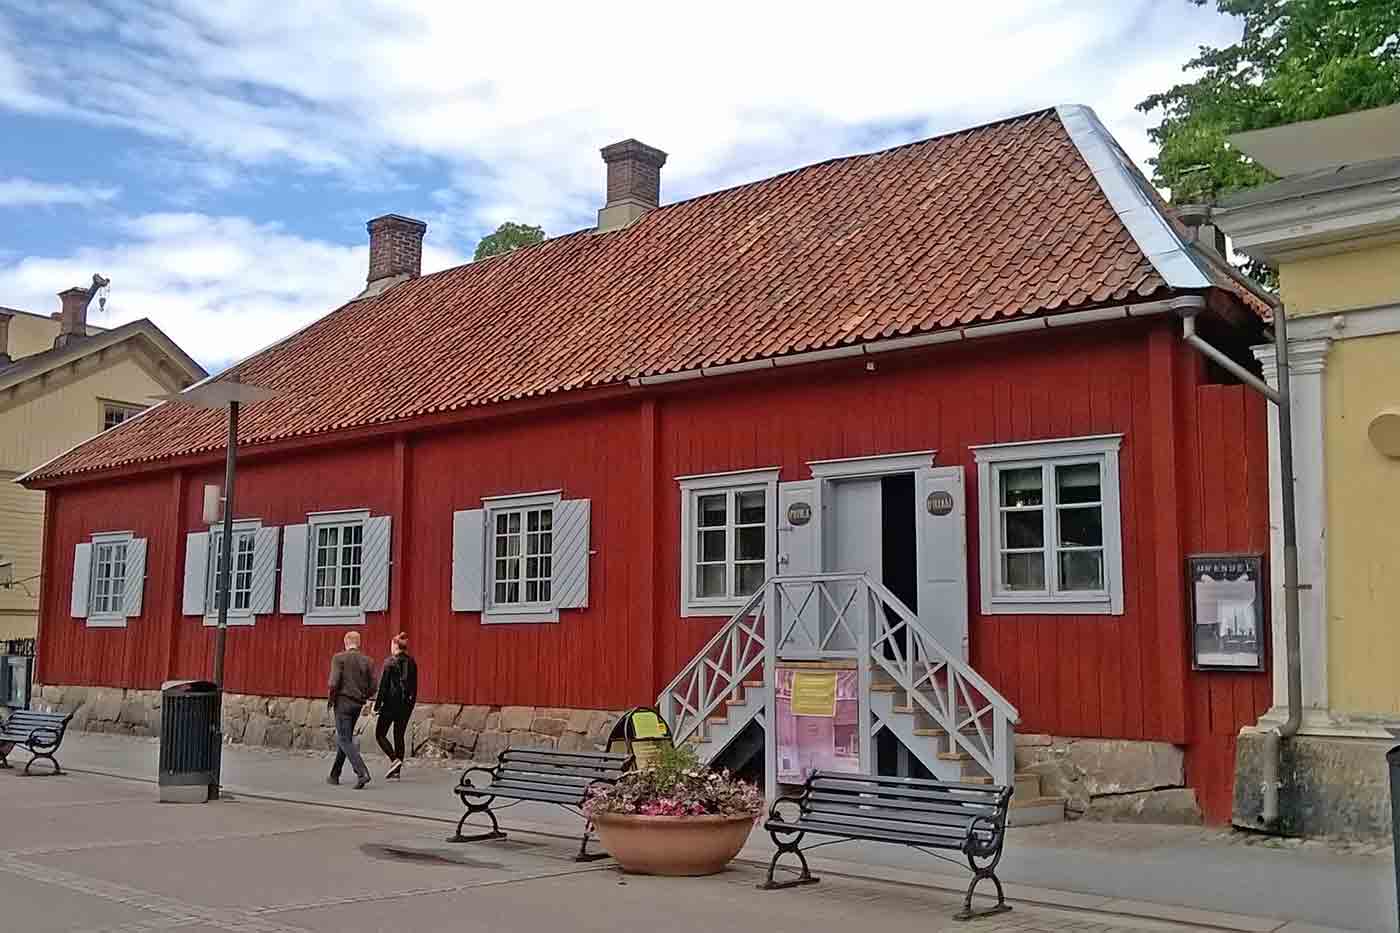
(1228, 511)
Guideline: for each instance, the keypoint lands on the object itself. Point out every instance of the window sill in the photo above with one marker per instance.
(1046, 606)
(717, 610)
(241, 619)
(519, 616)
(346, 617)
(106, 621)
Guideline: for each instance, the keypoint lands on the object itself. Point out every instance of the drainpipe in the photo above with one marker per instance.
(1281, 397)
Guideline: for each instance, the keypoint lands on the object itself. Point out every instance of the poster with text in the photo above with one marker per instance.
(1227, 612)
(829, 741)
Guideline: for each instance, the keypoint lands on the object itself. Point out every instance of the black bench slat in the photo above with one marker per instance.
(587, 774)
(599, 760)
(925, 814)
(553, 780)
(527, 794)
(574, 791)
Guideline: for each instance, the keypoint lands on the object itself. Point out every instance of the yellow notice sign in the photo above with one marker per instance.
(814, 693)
(647, 725)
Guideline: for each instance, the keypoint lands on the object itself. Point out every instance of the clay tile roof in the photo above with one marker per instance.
(1003, 221)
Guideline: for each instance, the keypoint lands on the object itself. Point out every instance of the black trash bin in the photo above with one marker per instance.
(189, 740)
(1392, 758)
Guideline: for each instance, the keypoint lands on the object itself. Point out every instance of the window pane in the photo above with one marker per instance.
(546, 591)
(500, 596)
(751, 507)
(1081, 570)
(710, 510)
(502, 526)
(711, 546)
(709, 580)
(750, 578)
(1023, 571)
(1081, 527)
(1023, 529)
(1078, 482)
(1021, 487)
(513, 522)
(750, 543)
(532, 591)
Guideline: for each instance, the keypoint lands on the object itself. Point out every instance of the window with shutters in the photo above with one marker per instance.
(727, 545)
(520, 555)
(241, 579)
(337, 559)
(107, 591)
(1050, 526)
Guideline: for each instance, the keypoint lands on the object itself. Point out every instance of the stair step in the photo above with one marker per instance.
(887, 687)
(954, 756)
(1036, 811)
(975, 779)
(754, 684)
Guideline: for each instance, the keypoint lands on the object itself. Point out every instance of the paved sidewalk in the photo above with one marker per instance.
(1155, 871)
(83, 853)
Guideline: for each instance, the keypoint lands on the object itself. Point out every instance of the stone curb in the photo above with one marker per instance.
(1168, 914)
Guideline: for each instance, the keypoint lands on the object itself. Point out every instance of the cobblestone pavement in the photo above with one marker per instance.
(93, 854)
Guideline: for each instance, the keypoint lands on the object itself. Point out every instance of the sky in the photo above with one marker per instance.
(218, 161)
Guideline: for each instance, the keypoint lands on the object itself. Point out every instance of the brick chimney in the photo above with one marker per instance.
(72, 320)
(5, 358)
(395, 251)
(634, 182)
(1202, 228)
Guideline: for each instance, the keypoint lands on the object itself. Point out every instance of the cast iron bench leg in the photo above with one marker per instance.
(806, 876)
(583, 854)
(472, 810)
(978, 874)
(5, 749)
(46, 756)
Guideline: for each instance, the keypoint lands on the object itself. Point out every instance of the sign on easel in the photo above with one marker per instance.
(642, 733)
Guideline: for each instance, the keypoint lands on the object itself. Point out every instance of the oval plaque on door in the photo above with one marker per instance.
(940, 502)
(799, 513)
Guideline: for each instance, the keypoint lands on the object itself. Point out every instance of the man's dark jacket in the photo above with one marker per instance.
(352, 679)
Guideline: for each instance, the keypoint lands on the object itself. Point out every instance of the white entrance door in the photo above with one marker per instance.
(851, 543)
(940, 505)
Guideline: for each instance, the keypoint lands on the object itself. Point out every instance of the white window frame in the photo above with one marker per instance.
(128, 410)
(333, 615)
(248, 528)
(113, 616)
(992, 461)
(522, 612)
(692, 487)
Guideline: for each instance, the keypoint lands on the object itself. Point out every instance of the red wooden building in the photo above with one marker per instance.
(954, 367)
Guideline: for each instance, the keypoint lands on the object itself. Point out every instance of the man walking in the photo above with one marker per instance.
(351, 685)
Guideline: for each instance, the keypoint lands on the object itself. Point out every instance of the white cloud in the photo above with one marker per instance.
(515, 99)
(26, 192)
(221, 287)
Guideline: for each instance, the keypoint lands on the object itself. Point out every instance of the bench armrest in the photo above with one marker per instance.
(38, 738)
(776, 814)
(986, 824)
(464, 782)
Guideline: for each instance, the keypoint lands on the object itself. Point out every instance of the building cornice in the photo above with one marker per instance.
(1306, 357)
(1317, 224)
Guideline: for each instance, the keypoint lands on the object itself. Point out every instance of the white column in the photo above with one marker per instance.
(1308, 361)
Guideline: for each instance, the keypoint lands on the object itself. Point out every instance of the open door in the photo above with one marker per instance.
(940, 506)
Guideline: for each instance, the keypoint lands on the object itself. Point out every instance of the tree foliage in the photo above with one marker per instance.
(508, 236)
(1297, 60)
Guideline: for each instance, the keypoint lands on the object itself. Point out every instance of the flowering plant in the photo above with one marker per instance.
(676, 785)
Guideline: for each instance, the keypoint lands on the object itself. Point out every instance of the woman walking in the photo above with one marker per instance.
(398, 692)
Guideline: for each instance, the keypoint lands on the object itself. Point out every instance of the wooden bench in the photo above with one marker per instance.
(541, 776)
(925, 815)
(39, 733)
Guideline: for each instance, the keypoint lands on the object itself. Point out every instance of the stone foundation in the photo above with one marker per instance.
(1111, 779)
(440, 730)
(1336, 787)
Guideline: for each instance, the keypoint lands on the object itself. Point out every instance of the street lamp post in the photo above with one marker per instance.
(223, 393)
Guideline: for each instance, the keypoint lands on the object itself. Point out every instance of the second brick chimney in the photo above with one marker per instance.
(634, 182)
(72, 320)
(395, 251)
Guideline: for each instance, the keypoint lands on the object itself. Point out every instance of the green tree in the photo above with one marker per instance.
(1297, 60)
(508, 236)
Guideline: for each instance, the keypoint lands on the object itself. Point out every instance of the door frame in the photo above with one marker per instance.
(827, 471)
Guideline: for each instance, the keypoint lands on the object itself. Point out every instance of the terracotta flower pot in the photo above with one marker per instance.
(672, 845)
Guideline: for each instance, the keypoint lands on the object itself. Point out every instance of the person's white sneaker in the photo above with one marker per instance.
(393, 771)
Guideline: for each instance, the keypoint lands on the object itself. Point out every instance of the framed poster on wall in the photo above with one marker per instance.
(1227, 611)
(818, 714)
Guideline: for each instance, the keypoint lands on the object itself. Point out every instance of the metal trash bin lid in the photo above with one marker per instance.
(188, 686)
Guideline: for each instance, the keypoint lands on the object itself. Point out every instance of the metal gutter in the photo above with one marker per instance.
(1183, 303)
(1125, 187)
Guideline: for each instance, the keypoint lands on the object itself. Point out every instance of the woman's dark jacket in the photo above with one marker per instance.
(398, 685)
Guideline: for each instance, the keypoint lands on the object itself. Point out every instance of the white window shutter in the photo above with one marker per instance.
(468, 560)
(135, 577)
(294, 545)
(571, 521)
(374, 568)
(196, 572)
(264, 571)
(941, 546)
(82, 577)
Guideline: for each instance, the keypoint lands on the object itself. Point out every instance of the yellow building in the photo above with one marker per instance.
(1331, 227)
(62, 381)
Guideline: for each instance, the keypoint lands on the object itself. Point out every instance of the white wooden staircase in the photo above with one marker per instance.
(948, 717)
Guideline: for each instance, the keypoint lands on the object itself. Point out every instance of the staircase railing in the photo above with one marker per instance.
(717, 673)
(977, 718)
